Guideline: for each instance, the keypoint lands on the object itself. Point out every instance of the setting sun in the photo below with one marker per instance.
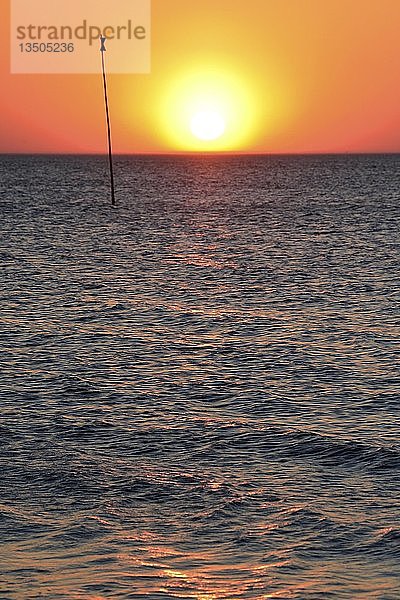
(208, 109)
(207, 125)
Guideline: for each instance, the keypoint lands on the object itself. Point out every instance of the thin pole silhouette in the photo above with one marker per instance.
(110, 157)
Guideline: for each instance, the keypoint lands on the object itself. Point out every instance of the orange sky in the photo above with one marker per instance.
(324, 74)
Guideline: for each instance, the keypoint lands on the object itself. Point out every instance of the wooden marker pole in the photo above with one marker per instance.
(110, 157)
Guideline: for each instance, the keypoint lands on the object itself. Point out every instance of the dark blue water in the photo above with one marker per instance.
(200, 389)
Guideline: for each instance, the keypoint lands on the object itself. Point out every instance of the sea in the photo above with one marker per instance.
(199, 392)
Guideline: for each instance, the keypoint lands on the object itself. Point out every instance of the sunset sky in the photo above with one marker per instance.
(292, 76)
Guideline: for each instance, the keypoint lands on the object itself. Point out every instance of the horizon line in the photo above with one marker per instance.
(208, 153)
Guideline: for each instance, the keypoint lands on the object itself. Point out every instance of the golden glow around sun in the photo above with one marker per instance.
(207, 109)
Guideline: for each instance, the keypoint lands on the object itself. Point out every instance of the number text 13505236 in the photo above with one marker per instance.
(47, 47)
